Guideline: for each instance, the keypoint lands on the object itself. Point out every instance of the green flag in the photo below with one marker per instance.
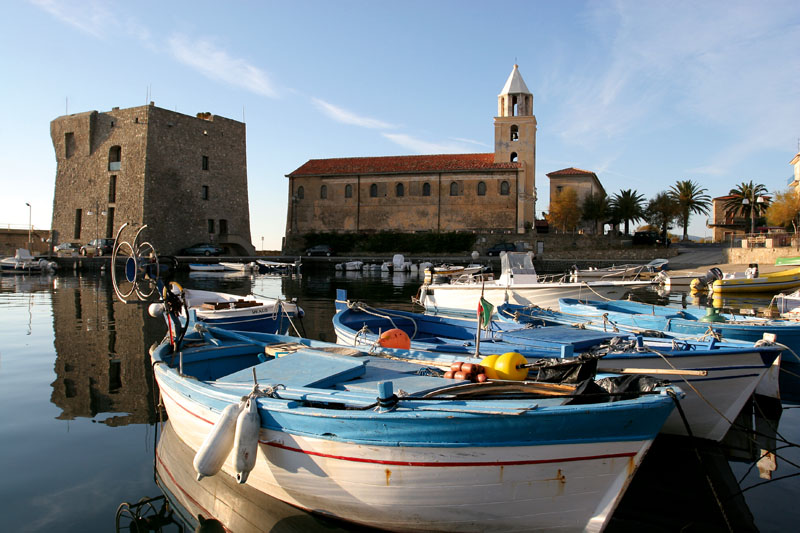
(485, 311)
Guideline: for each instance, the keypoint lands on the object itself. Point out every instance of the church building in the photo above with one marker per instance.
(482, 192)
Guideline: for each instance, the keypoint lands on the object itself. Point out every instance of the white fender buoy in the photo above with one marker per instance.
(218, 443)
(245, 443)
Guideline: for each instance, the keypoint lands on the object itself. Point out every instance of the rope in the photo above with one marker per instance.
(364, 308)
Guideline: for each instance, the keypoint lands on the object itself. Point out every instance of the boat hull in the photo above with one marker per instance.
(564, 487)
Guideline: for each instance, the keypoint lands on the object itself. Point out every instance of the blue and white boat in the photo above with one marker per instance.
(244, 313)
(376, 442)
(718, 377)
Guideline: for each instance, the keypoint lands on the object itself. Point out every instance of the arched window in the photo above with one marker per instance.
(481, 188)
(514, 132)
(504, 188)
(115, 158)
(453, 189)
(323, 192)
(348, 191)
(513, 157)
(301, 193)
(426, 189)
(399, 190)
(373, 191)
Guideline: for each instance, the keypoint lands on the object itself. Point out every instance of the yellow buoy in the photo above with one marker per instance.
(507, 365)
(488, 366)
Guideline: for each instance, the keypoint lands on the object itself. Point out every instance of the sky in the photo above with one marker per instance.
(642, 93)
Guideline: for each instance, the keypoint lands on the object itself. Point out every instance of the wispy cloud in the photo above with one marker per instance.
(89, 17)
(215, 63)
(348, 117)
(425, 147)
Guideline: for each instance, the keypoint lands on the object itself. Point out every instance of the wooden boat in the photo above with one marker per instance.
(371, 441)
(206, 267)
(236, 267)
(246, 313)
(772, 282)
(730, 372)
(518, 283)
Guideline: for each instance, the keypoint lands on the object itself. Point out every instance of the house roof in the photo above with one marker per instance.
(406, 164)
(571, 171)
(515, 84)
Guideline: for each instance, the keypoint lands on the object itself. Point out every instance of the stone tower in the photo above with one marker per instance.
(183, 176)
(515, 141)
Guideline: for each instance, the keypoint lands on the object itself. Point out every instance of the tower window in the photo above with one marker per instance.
(205, 192)
(69, 144)
(211, 225)
(513, 157)
(205, 162)
(373, 191)
(78, 217)
(323, 192)
(348, 191)
(426, 189)
(513, 106)
(110, 223)
(514, 132)
(112, 189)
(301, 192)
(399, 190)
(454, 189)
(504, 188)
(481, 188)
(115, 158)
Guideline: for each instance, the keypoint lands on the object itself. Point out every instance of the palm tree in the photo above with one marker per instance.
(627, 206)
(691, 199)
(751, 208)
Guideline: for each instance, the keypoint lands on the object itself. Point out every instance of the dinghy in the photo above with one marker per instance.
(389, 444)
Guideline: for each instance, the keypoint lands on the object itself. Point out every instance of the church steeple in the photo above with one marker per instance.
(515, 100)
(515, 142)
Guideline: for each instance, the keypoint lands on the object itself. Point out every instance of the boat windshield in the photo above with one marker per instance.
(517, 262)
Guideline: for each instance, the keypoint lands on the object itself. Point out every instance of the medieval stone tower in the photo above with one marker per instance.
(515, 141)
(183, 176)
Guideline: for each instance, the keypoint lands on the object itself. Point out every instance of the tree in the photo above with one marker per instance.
(565, 213)
(661, 212)
(627, 206)
(785, 209)
(752, 208)
(691, 199)
(595, 209)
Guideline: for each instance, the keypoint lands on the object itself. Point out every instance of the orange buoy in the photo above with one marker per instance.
(395, 338)
(507, 365)
(488, 366)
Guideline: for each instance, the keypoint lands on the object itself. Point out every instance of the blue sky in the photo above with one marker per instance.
(642, 93)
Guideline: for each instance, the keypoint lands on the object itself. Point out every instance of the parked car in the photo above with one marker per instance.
(646, 237)
(501, 247)
(98, 247)
(320, 249)
(202, 248)
(66, 248)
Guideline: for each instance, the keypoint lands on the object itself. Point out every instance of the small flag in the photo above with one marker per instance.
(485, 311)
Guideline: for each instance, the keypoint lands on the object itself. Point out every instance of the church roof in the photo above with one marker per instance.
(515, 84)
(404, 164)
(571, 171)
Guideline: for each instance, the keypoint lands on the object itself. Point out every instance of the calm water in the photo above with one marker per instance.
(79, 424)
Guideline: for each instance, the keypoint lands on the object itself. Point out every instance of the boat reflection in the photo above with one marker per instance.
(219, 502)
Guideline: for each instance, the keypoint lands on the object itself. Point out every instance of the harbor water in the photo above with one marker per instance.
(80, 422)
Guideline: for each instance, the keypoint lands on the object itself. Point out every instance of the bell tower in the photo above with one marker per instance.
(515, 141)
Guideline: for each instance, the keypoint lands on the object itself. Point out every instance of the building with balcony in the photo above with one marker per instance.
(183, 176)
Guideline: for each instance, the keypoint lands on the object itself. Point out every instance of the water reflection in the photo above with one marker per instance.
(101, 353)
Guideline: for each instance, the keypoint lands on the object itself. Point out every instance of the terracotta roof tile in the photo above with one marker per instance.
(571, 171)
(400, 164)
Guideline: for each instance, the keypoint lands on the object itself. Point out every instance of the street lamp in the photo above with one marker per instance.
(30, 226)
(746, 201)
